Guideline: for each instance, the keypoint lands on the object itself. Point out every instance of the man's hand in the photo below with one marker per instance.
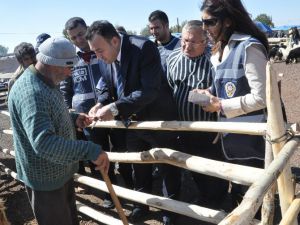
(102, 162)
(215, 103)
(94, 109)
(83, 120)
(203, 91)
(214, 106)
(104, 114)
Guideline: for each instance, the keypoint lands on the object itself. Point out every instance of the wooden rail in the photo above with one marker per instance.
(260, 181)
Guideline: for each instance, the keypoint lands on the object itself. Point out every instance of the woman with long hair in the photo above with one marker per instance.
(239, 57)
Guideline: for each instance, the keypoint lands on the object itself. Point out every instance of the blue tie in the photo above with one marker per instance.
(119, 79)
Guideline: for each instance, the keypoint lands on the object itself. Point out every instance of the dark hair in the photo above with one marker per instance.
(39, 40)
(23, 49)
(42, 37)
(158, 15)
(240, 19)
(121, 29)
(74, 22)
(102, 28)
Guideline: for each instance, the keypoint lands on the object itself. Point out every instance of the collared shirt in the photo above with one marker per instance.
(119, 54)
(119, 61)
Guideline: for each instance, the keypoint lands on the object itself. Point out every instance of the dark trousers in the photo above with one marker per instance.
(170, 175)
(141, 140)
(212, 190)
(138, 141)
(118, 144)
(54, 207)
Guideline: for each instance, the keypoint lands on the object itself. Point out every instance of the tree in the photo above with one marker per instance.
(3, 50)
(178, 29)
(145, 32)
(131, 32)
(264, 18)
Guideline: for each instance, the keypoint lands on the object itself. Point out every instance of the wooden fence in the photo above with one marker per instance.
(281, 142)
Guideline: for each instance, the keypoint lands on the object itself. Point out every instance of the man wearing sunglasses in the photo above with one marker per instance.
(189, 68)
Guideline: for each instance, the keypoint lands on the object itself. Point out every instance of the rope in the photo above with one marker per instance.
(288, 135)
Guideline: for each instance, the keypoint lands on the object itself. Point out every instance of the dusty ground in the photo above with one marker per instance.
(18, 208)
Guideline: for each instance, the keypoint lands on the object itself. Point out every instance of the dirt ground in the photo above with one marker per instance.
(18, 208)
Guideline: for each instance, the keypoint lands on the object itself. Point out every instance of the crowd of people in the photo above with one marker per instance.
(110, 75)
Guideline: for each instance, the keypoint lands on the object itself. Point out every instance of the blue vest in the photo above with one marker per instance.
(230, 81)
(85, 77)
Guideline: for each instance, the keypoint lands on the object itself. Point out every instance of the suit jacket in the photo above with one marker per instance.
(141, 71)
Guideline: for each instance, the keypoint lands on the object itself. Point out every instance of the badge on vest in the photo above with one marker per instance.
(230, 89)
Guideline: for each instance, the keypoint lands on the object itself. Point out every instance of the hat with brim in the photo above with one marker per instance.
(57, 51)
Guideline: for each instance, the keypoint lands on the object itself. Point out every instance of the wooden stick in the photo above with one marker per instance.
(276, 129)
(268, 206)
(114, 197)
(254, 196)
(187, 209)
(237, 173)
(233, 172)
(96, 215)
(225, 127)
(292, 213)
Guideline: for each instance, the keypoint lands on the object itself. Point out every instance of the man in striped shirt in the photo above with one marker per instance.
(189, 68)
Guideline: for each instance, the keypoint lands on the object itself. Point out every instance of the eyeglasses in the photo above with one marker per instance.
(193, 44)
(210, 22)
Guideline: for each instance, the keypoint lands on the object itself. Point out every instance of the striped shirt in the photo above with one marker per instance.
(185, 74)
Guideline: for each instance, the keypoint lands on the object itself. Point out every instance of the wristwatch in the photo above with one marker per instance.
(114, 110)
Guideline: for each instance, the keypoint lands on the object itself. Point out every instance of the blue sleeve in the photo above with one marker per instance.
(102, 92)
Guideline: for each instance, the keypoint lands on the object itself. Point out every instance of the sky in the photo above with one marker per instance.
(24, 20)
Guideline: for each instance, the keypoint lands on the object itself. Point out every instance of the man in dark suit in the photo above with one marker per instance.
(128, 91)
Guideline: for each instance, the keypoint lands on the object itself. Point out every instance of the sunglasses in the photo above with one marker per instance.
(210, 22)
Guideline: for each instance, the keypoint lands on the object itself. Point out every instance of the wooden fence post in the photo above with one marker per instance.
(276, 134)
(268, 206)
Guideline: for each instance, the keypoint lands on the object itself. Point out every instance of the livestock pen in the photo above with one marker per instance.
(280, 141)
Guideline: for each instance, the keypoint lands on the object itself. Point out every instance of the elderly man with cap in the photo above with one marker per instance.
(47, 153)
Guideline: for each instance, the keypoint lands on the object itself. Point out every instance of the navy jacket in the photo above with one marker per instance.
(142, 73)
(79, 91)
